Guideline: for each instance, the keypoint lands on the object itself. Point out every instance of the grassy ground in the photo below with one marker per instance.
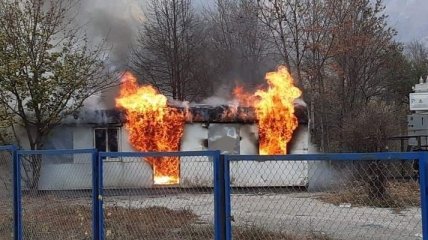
(399, 195)
(50, 218)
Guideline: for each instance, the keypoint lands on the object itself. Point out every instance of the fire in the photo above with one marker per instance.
(152, 126)
(274, 110)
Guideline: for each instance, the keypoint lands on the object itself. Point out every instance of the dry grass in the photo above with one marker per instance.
(147, 223)
(399, 195)
(256, 233)
(58, 222)
(6, 227)
(48, 217)
(6, 218)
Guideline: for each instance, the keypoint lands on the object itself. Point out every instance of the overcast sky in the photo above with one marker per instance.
(410, 18)
(118, 20)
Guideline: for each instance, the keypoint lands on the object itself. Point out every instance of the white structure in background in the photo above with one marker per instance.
(419, 99)
(418, 120)
(104, 129)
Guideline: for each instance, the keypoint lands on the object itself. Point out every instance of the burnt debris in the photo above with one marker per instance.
(197, 113)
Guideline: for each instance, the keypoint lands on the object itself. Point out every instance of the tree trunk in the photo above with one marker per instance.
(35, 162)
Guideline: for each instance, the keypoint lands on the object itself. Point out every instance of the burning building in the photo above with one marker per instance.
(268, 121)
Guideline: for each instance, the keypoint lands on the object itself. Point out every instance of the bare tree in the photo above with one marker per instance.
(319, 27)
(237, 43)
(417, 53)
(362, 43)
(47, 69)
(406, 65)
(347, 49)
(286, 21)
(168, 45)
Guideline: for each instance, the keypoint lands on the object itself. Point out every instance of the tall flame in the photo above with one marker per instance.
(152, 126)
(274, 110)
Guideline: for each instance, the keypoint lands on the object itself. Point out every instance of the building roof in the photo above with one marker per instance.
(199, 113)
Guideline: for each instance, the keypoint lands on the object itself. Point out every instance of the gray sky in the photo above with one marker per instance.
(118, 20)
(409, 18)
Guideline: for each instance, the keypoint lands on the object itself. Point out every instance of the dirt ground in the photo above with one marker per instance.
(53, 217)
(5, 196)
(189, 215)
(297, 213)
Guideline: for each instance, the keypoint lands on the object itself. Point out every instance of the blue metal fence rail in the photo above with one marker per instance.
(423, 166)
(222, 185)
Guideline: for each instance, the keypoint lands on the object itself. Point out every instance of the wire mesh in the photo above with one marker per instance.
(137, 208)
(56, 195)
(6, 194)
(325, 200)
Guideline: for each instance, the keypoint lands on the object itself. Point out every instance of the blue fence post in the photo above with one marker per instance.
(100, 197)
(97, 211)
(227, 187)
(95, 226)
(17, 207)
(423, 179)
(219, 197)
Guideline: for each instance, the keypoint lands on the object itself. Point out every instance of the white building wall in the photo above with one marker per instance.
(194, 171)
(269, 173)
(118, 172)
(197, 171)
(76, 174)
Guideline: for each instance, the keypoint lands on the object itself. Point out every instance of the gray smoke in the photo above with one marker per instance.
(115, 21)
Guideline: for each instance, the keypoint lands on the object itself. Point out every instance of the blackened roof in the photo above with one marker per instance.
(199, 113)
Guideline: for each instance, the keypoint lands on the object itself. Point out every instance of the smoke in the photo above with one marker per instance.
(222, 96)
(300, 102)
(115, 21)
(327, 175)
(102, 101)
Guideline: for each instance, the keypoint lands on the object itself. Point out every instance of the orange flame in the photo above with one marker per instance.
(274, 110)
(152, 126)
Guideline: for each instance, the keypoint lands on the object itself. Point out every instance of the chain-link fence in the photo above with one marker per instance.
(161, 196)
(82, 194)
(284, 198)
(6, 192)
(56, 190)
